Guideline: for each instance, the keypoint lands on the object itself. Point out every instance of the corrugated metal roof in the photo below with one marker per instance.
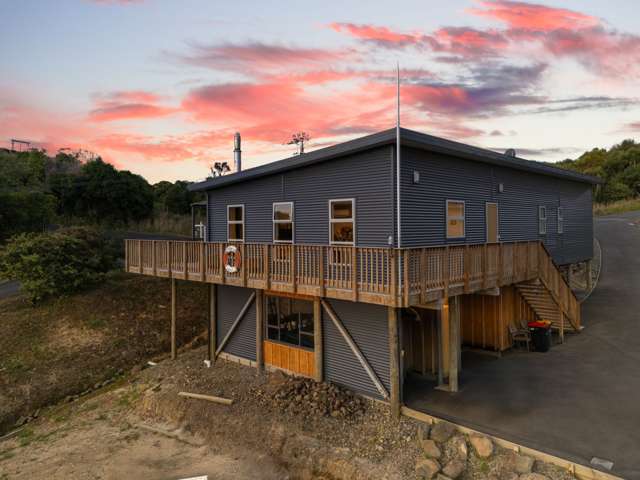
(408, 138)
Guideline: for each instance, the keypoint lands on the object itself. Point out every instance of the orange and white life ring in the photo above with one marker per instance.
(231, 259)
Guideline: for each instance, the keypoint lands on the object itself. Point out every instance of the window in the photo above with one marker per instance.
(342, 221)
(283, 222)
(560, 220)
(290, 321)
(235, 223)
(542, 220)
(455, 219)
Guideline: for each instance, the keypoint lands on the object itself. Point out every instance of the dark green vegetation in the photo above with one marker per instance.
(56, 263)
(37, 190)
(64, 346)
(618, 167)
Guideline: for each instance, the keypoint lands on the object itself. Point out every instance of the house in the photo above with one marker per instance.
(330, 265)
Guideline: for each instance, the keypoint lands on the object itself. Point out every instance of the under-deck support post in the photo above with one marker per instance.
(213, 311)
(454, 339)
(317, 340)
(587, 272)
(174, 314)
(259, 330)
(394, 361)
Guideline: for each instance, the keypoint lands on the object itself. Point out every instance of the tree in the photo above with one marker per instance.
(58, 263)
(103, 195)
(618, 167)
(298, 139)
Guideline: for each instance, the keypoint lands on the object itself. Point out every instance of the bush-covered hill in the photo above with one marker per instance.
(618, 167)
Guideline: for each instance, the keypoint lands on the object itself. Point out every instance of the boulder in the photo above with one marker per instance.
(482, 446)
(509, 476)
(427, 468)
(457, 446)
(423, 432)
(442, 477)
(533, 476)
(442, 431)
(430, 449)
(522, 464)
(454, 468)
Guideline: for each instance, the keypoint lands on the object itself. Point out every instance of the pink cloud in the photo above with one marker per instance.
(377, 34)
(126, 105)
(257, 57)
(531, 16)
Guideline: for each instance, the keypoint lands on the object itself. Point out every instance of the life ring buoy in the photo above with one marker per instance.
(232, 259)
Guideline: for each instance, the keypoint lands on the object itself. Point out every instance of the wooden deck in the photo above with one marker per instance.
(383, 276)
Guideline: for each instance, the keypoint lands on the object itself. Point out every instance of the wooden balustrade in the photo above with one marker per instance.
(385, 276)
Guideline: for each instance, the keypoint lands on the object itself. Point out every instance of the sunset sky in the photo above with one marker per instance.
(160, 86)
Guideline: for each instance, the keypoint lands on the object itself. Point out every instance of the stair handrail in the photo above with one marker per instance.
(572, 300)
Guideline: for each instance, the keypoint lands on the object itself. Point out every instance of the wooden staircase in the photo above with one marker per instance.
(542, 302)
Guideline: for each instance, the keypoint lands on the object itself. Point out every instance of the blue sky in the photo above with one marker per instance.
(159, 87)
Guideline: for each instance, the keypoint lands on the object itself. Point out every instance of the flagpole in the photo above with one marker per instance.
(399, 237)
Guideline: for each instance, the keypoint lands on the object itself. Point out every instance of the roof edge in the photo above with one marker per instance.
(409, 138)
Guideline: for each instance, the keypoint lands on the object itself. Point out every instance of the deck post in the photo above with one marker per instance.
(454, 339)
(440, 360)
(587, 272)
(140, 255)
(212, 291)
(394, 361)
(318, 350)
(259, 330)
(174, 314)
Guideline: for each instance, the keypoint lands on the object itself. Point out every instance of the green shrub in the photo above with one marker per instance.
(58, 263)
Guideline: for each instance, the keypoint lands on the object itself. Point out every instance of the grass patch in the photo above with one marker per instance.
(26, 436)
(620, 206)
(13, 365)
(95, 323)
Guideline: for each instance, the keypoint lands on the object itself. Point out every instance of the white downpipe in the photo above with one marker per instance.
(399, 241)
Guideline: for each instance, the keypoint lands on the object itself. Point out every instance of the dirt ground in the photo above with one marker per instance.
(66, 346)
(139, 427)
(101, 438)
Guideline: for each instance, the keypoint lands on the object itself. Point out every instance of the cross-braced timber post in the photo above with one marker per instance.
(259, 330)
(213, 311)
(317, 340)
(174, 314)
(394, 361)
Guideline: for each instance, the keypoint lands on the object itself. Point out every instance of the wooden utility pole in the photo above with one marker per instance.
(317, 340)
(174, 314)
(394, 361)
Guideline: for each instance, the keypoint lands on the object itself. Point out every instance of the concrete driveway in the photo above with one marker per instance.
(581, 399)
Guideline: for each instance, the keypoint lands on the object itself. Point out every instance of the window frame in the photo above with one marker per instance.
(560, 220)
(342, 220)
(301, 333)
(542, 220)
(236, 222)
(464, 219)
(274, 222)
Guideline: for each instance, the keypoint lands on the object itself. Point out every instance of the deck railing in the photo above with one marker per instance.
(386, 276)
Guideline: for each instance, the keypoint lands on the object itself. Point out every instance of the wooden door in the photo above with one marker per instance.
(492, 223)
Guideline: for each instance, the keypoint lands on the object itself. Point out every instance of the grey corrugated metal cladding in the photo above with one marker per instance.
(367, 325)
(365, 177)
(363, 169)
(243, 340)
(445, 178)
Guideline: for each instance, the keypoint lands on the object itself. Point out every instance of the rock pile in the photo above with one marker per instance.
(298, 395)
(448, 454)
